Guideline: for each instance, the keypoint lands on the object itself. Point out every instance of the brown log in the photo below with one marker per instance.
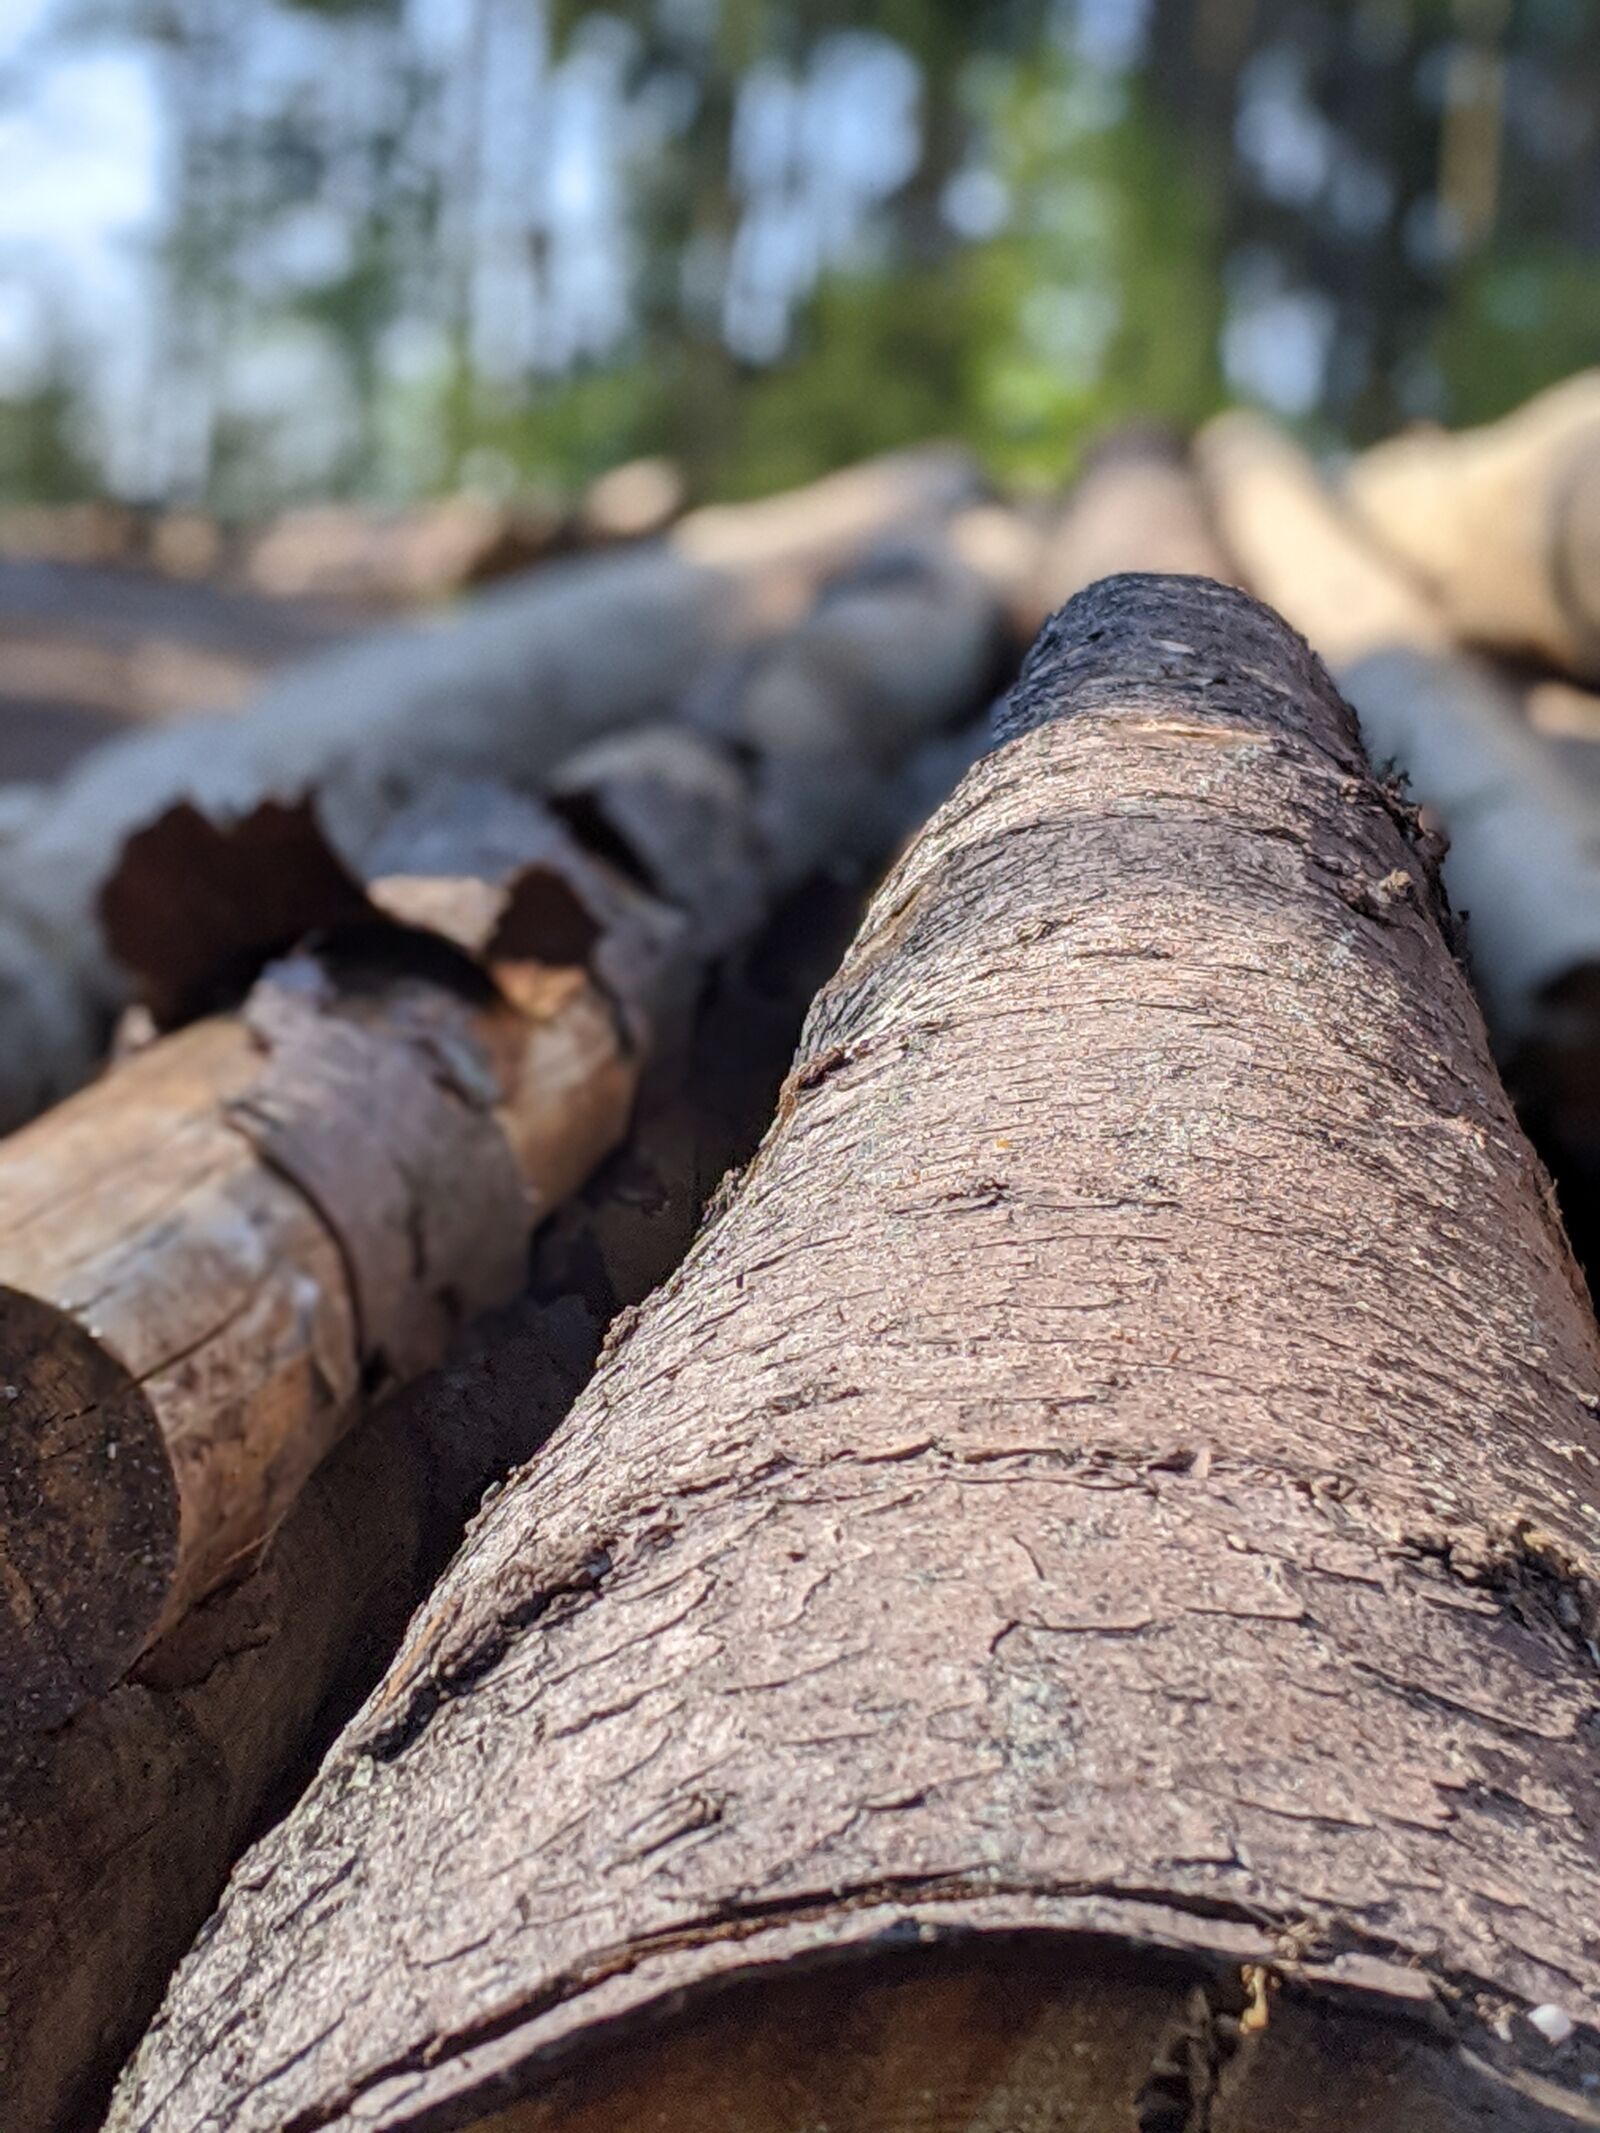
(531, 671)
(1524, 857)
(1501, 523)
(399, 558)
(1136, 505)
(214, 1251)
(118, 1828)
(1072, 1609)
(630, 502)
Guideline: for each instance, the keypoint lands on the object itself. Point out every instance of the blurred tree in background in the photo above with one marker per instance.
(402, 244)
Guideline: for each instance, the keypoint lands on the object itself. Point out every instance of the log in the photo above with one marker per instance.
(632, 501)
(116, 1829)
(398, 558)
(1070, 1609)
(213, 1250)
(212, 1253)
(530, 672)
(1135, 506)
(1501, 523)
(1524, 857)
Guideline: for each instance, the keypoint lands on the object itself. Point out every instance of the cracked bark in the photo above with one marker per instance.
(1075, 1607)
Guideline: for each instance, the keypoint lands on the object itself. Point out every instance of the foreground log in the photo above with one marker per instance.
(1524, 857)
(117, 1828)
(1502, 523)
(1071, 1609)
(531, 672)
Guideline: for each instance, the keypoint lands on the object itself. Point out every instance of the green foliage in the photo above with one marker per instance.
(1098, 292)
(41, 457)
(1518, 318)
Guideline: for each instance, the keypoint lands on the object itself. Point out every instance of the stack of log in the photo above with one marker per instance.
(1076, 1602)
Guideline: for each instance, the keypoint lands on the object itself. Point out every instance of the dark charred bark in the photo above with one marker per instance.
(1075, 1607)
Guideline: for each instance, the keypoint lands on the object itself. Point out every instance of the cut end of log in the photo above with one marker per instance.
(930, 2031)
(89, 1535)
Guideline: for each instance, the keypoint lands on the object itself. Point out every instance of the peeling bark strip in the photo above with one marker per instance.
(1094, 1548)
(210, 1255)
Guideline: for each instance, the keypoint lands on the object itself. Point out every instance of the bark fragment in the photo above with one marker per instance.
(1105, 1514)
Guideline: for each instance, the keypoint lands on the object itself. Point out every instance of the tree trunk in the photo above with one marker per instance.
(1503, 523)
(1070, 1609)
(117, 1829)
(530, 672)
(1524, 858)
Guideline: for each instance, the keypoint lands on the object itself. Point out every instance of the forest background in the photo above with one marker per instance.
(258, 250)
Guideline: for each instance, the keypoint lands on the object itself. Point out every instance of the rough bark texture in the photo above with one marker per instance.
(1524, 856)
(116, 1831)
(533, 670)
(1503, 523)
(1113, 1488)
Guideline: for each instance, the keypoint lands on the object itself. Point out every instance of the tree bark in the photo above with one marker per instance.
(1524, 858)
(117, 1828)
(1073, 1607)
(530, 672)
(1502, 523)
